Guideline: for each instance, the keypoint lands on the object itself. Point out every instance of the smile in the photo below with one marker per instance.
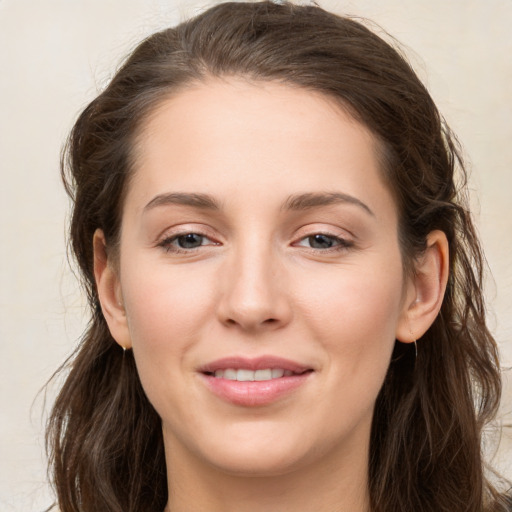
(254, 382)
(250, 375)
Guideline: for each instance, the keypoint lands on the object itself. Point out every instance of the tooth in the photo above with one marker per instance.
(244, 375)
(230, 374)
(262, 375)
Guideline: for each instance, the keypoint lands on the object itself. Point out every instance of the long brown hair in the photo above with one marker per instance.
(104, 437)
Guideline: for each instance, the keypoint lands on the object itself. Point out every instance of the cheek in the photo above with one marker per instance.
(166, 304)
(168, 310)
(354, 314)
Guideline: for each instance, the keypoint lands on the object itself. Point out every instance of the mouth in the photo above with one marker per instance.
(244, 375)
(254, 382)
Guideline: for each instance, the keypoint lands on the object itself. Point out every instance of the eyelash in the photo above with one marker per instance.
(167, 243)
(339, 244)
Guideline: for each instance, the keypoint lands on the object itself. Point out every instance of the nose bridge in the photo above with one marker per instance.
(253, 295)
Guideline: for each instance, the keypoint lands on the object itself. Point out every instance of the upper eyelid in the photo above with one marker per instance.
(325, 225)
(302, 232)
(184, 229)
(335, 232)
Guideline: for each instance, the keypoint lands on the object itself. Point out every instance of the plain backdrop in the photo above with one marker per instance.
(55, 56)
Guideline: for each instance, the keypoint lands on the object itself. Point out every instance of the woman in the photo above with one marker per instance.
(284, 279)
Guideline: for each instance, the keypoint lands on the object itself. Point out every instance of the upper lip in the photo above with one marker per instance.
(257, 363)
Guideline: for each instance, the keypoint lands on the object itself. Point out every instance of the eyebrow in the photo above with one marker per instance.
(203, 201)
(295, 202)
(312, 200)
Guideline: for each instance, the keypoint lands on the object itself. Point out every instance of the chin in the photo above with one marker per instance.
(256, 463)
(243, 449)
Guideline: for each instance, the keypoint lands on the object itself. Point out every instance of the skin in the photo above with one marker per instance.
(256, 286)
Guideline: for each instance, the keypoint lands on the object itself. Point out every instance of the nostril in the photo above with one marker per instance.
(268, 321)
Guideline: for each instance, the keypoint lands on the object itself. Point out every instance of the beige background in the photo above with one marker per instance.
(55, 56)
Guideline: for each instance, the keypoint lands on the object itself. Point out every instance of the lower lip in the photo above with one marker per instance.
(254, 393)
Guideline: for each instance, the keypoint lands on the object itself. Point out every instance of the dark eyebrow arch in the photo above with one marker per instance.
(203, 201)
(314, 199)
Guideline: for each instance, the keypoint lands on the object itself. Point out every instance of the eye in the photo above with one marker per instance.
(190, 240)
(322, 241)
(185, 241)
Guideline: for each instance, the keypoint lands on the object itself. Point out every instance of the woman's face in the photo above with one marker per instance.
(259, 242)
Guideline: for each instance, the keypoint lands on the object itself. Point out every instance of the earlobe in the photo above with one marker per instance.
(109, 292)
(427, 288)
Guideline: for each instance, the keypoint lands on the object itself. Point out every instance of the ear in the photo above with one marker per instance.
(108, 286)
(425, 290)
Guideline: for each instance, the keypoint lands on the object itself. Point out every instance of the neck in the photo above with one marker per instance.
(327, 486)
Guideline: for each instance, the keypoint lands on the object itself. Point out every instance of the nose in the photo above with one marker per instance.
(254, 295)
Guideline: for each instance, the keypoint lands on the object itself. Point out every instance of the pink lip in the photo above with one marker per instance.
(258, 363)
(255, 393)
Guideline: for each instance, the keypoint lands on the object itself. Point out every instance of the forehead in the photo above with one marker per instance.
(226, 136)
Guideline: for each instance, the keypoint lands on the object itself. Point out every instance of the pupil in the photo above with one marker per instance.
(320, 242)
(190, 240)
